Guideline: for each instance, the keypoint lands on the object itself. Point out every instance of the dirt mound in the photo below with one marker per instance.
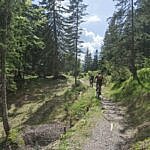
(42, 135)
(59, 77)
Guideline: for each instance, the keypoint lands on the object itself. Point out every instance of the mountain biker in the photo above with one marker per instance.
(91, 79)
(99, 80)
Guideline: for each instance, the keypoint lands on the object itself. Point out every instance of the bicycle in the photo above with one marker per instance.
(91, 83)
(98, 91)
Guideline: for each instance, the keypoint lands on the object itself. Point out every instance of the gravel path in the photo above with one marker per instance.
(106, 135)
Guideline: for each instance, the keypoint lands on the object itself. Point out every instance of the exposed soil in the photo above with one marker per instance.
(38, 136)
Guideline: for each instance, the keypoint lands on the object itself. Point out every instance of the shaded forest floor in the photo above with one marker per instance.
(40, 102)
(30, 106)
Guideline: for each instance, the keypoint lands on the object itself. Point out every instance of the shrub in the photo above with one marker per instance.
(15, 139)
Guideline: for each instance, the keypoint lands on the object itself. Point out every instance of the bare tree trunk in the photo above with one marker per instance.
(3, 93)
(55, 66)
(76, 60)
(3, 72)
(76, 45)
(132, 57)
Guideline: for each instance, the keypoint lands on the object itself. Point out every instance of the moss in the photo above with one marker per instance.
(141, 145)
(131, 89)
(80, 107)
(15, 140)
(15, 136)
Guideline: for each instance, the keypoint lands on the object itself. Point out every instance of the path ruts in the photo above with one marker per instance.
(107, 134)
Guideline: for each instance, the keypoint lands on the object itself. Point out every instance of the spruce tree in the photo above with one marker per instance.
(87, 61)
(95, 61)
(55, 32)
(78, 12)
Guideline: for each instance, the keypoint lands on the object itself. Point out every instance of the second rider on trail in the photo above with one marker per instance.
(91, 80)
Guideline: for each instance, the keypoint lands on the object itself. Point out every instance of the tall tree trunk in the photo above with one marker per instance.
(76, 61)
(76, 46)
(3, 72)
(3, 93)
(55, 66)
(132, 57)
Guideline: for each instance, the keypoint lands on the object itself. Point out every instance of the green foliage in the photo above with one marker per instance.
(91, 64)
(131, 88)
(87, 61)
(85, 120)
(95, 61)
(40, 38)
(81, 75)
(79, 87)
(15, 139)
(80, 107)
(145, 145)
(146, 62)
(120, 74)
(94, 73)
(24, 41)
(119, 50)
(144, 76)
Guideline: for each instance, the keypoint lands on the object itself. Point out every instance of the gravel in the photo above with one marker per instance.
(106, 134)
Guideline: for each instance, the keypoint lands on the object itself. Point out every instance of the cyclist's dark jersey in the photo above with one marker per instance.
(99, 80)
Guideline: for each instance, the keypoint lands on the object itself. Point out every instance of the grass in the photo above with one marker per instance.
(76, 136)
(44, 101)
(141, 145)
(24, 105)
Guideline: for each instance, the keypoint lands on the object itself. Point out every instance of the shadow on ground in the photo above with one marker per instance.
(43, 114)
(35, 90)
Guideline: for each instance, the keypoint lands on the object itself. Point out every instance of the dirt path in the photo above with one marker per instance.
(107, 133)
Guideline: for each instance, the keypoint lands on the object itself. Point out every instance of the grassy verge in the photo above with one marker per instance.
(141, 145)
(137, 99)
(45, 101)
(76, 136)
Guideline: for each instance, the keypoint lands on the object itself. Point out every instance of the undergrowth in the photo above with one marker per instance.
(141, 145)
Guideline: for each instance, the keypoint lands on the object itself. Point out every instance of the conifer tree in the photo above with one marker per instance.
(95, 61)
(55, 32)
(78, 12)
(87, 61)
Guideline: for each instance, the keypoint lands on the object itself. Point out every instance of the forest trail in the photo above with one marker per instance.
(108, 133)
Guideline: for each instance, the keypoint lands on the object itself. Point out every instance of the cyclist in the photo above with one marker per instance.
(91, 80)
(99, 80)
